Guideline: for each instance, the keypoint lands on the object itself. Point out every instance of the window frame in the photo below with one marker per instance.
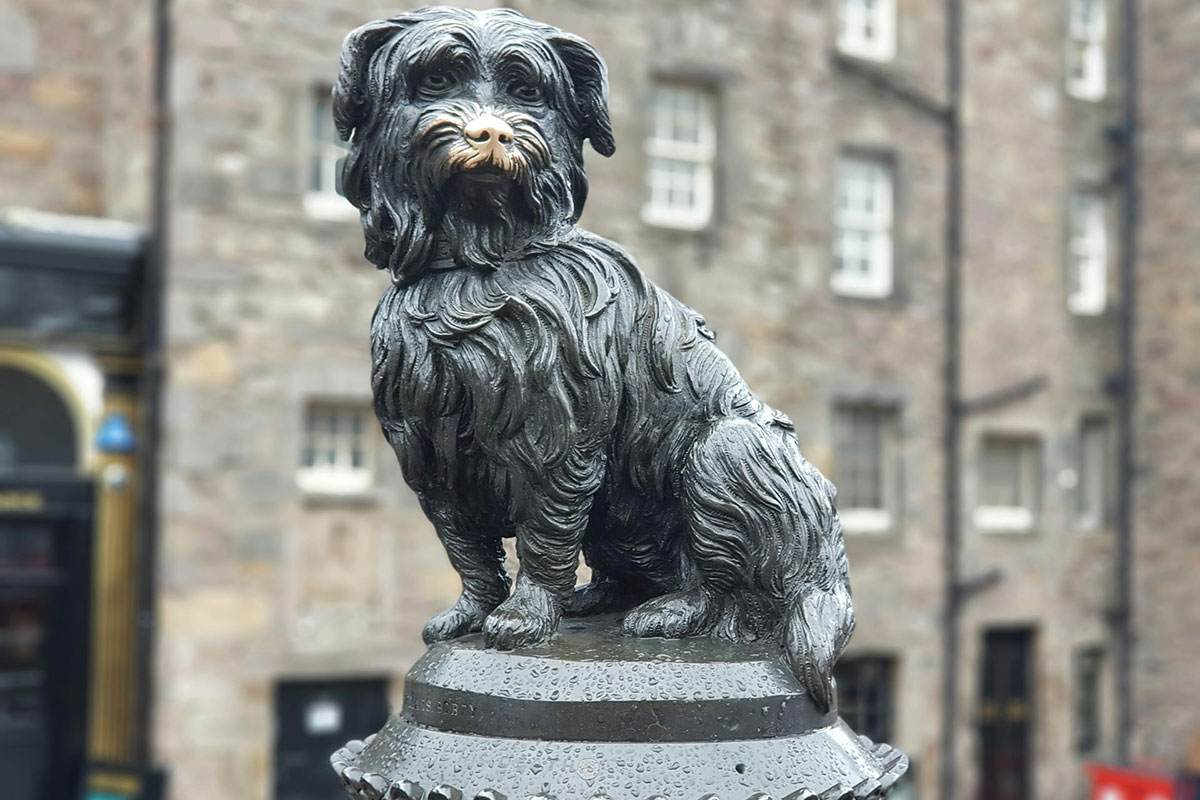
(1087, 251)
(1100, 517)
(1087, 46)
(879, 281)
(861, 519)
(1023, 517)
(1087, 713)
(701, 155)
(340, 477)
(853, 713)
(852, 39)
(321, 200)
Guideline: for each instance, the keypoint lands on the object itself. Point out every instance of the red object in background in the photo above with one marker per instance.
(1113, 783)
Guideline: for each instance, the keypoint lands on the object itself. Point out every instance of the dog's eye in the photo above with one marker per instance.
(526, 92)
(437, 82)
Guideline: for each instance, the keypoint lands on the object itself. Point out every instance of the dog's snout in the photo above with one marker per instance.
(487, 131)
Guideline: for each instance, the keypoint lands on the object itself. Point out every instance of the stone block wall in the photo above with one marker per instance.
(1167, 547)
(268, 304)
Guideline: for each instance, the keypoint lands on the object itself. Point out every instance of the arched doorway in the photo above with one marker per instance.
(37, 432)
(45, 563)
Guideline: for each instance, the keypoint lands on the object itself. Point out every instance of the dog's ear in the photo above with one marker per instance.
(590, 79)
(351, 101)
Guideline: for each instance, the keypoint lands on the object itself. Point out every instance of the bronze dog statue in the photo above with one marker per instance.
(534, 383)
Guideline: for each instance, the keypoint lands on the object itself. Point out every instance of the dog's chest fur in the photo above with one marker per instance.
(518, 363)
(570, 351)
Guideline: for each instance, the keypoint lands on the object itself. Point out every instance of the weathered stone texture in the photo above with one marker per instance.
(1028, 143)
(1167, 561)
(50, 122)
(785, 112)
(268, 308)
(266, 299)
(75, 132)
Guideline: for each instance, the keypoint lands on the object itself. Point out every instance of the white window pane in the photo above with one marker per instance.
(335, 449)
(673, 183)
(867, 28)
(1087, 37)
(683, 120)
(680, 155)
(1002, 474)
(865, 470)
(863, 220)
(1088, 19)
(1008, 473)
(860, 457)
(1077, 67)
(1087, 253)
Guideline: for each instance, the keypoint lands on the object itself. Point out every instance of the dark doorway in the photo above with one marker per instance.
(45, 559)
(36, 429)
(1006, 715)
(312, 720)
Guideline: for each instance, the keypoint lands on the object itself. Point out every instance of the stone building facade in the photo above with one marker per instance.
(75, 130)
(1167, 545)
(294, 569)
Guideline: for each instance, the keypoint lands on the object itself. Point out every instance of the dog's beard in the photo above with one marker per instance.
(429, 203)
(482, 211)
(487, 220)
(484, 220)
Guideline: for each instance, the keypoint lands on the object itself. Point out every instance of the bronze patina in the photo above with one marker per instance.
(536, 385)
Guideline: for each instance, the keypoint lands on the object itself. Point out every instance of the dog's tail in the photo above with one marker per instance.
(819, 616)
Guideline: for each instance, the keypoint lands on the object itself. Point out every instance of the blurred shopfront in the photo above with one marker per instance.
(70, 363)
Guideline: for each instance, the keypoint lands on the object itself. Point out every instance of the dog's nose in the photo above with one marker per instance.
(486, 131)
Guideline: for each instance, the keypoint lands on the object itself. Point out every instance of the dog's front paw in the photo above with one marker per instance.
(465, 616)
(529, 617)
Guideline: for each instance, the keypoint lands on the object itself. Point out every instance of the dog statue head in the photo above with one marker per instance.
(466, 135)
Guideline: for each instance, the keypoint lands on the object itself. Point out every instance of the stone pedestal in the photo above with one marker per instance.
(596, 714)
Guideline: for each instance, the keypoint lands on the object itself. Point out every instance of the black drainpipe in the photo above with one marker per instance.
(1130, 216)
(952, 434)
(152, 375)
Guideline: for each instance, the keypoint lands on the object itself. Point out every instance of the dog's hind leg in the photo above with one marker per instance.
(673, 616)
(766, 541)
(761, 528)
(477, 554)
(606, 593)
(733, 537)
(722, 515)
(629, 561)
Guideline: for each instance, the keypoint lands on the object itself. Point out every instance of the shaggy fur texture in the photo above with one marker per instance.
(534, 383)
